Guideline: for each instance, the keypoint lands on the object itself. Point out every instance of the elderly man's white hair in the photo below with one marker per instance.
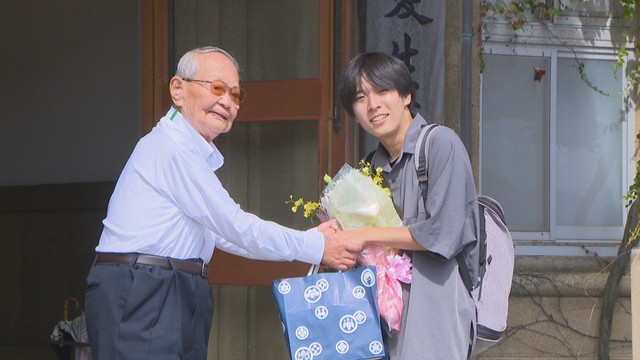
(188, 64)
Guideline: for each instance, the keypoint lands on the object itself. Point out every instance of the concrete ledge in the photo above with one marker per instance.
(554, 310)
(552, 264)
(567, 277)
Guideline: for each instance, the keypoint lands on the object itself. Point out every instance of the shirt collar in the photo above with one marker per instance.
(410, 138)
(413, 132)
(208, 150)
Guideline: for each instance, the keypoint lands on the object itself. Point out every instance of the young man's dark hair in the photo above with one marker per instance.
(382, 71)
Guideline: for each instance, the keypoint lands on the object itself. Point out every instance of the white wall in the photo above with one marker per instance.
(70, 90)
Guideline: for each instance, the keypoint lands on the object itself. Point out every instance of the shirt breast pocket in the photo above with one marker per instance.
(409, 221)
(413, 214)
(420, 216)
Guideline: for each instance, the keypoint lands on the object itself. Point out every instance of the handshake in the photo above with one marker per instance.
(340, 252)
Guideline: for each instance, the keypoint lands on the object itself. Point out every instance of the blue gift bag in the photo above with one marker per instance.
(331, 315)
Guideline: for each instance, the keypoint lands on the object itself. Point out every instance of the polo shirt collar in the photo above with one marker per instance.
(410, 138)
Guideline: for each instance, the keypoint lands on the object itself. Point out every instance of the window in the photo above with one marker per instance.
(555, 152)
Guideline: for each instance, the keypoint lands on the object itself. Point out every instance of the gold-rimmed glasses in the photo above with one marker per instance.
(219, 88)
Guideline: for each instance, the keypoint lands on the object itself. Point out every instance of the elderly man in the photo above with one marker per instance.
(147, 294)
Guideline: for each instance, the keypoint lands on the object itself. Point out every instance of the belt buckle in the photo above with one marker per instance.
(203, 267)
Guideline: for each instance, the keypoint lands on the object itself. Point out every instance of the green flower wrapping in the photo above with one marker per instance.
(356, 201)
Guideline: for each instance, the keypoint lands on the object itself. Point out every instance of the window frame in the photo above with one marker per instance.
(559, 240)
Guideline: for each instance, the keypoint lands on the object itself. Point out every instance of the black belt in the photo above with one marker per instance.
(195, 266)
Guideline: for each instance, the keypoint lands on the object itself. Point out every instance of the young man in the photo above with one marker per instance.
(439, 315)
(147, 295)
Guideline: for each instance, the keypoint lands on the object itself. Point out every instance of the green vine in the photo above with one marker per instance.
(515, 12)
(634, 189)
(629, 8)
(629, 11)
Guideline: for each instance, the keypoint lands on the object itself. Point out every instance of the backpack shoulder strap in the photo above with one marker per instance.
(492, 204)
(422, 150)
(421, 164)
(420, 158)
(482, 244)
(464, 271)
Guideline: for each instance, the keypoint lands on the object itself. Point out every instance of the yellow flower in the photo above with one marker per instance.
(310, 207)
(296, 203)
(327, 178)
(365, 168)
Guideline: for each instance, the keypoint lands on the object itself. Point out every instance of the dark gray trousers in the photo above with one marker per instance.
(147, 313)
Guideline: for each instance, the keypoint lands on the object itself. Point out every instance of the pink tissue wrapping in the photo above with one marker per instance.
(391, 270)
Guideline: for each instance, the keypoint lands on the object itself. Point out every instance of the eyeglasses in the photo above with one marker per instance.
(219, 88)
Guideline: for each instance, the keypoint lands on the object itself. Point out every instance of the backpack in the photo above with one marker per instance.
(496, 259)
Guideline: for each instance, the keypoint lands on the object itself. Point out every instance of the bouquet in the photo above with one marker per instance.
(356, 199)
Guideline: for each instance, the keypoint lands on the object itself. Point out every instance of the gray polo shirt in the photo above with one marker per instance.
(439, 313)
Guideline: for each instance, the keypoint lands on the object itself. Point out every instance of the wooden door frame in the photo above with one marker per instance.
(314, 103)
(154, 57)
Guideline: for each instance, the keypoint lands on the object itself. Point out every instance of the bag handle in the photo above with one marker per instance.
(313, 269)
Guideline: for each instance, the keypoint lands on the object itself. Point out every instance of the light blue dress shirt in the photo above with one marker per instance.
(169, 202)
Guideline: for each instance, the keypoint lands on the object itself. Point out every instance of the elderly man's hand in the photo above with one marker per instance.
(338, 253)
(331, 224)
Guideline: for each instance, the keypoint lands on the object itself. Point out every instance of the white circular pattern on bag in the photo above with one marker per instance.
(303, 353)
(348, 324)
(302, 332)
(368, 278)
(322, 312)
(358, 292)
(375, 347)
(323, 285)
(284, 287)
(360, 317)
(342, 347)
(312, 294)
(316, 348)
